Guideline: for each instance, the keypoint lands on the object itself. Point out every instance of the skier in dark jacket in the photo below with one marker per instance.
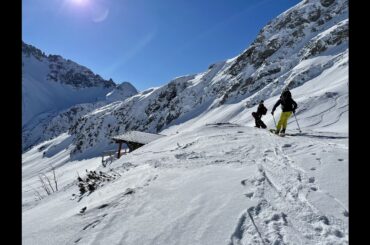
(288, 106)
(261, 110)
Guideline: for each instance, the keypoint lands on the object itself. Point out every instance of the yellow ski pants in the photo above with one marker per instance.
(283, 121)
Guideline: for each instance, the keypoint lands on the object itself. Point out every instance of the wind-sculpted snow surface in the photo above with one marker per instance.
(221, 184)
(294, 48)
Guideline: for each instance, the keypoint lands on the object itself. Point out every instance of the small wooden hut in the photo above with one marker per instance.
(134, 140)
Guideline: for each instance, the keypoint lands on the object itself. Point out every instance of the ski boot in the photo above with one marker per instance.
(282, 132)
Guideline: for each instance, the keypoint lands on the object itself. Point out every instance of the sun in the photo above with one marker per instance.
(80, 2)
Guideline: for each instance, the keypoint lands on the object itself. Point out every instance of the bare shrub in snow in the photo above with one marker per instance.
(48, 184)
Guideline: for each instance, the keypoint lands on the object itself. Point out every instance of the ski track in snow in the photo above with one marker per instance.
(321, 115)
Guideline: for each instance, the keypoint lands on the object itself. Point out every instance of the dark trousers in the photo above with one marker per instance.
(258, 121)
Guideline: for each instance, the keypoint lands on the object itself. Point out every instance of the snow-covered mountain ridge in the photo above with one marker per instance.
(52, 85)
(65, 71)
(275, 60)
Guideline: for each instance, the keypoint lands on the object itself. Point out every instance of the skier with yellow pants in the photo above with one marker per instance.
(288, 106)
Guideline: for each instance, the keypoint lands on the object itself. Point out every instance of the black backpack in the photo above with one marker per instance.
(263, 110)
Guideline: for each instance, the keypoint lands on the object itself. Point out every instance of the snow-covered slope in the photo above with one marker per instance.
(299, 45)
(218, 184)
(214, 178)
(51, 84)
(322, 102)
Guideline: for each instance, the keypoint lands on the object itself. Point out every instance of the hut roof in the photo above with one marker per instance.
(137, 137)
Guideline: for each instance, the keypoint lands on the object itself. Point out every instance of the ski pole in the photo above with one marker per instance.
(274, 120)
(297, 123)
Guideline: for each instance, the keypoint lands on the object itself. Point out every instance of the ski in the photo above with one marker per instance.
(288, 134)
(273, 131)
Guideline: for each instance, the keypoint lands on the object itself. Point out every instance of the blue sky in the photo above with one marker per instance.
(146, 42)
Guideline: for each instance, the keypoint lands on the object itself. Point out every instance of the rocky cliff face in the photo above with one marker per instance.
(65, 71)
(304, 31)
